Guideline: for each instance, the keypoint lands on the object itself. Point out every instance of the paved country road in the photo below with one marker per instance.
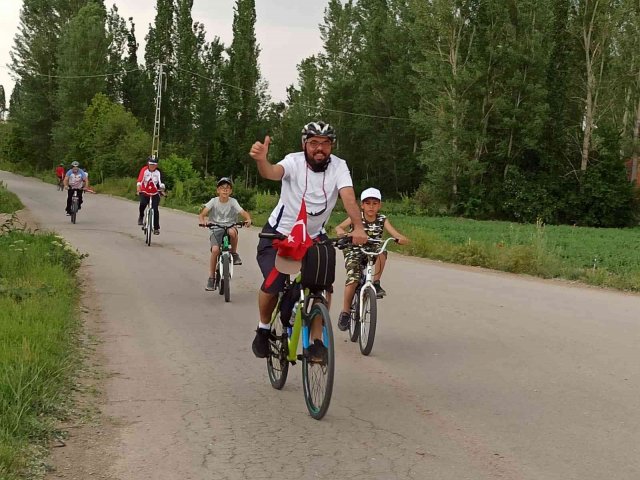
(474, 374)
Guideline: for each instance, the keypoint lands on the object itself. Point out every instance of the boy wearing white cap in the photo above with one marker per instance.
(374, 225)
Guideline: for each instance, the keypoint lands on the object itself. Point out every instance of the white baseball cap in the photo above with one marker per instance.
(370, 193)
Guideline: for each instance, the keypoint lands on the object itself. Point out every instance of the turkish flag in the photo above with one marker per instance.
(298, 241)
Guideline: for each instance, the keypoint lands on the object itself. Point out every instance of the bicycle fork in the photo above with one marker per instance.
(368, 283)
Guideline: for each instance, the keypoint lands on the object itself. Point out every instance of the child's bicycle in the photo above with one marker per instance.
(364, 309)
(297, 307)
(148, 218)
(224, 265)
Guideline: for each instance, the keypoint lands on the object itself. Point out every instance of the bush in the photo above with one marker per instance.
(176, 169)
(246, 197)
(110, 142)
(604, 198)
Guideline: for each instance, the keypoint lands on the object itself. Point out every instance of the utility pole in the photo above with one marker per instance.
(155, 143)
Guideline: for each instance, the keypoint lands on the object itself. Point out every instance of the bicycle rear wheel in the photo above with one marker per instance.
(368, 321)
(354, 322)
(277, 363)
(317, 377)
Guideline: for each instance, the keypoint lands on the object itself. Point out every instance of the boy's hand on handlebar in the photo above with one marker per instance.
(247, 223)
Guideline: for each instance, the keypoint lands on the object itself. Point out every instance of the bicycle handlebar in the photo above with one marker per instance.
(340, 242)
(213, 225)
(374, 241)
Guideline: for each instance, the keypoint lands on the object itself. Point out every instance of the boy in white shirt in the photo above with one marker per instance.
(222, 210)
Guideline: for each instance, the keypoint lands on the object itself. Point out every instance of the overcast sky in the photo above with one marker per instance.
(286, 30)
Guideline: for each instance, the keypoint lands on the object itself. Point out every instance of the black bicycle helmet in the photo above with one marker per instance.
(318, 129)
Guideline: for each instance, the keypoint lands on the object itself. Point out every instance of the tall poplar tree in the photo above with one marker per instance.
(209, 109)
(160, 49)
(137, 86)
(243, 79)
(184, 74)
(82, 62)
(34, 64)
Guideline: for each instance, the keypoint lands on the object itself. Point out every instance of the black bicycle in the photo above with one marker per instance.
(75, 205)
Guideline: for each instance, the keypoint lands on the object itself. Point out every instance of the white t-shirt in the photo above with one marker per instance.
(320, 190)
(223, 213)
(77, 180)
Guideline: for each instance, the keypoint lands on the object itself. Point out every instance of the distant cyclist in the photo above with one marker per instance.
(76, 180)
(60, 173)
(149, 187)
(317, 177)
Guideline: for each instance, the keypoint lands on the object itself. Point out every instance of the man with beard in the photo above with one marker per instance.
(312, 180)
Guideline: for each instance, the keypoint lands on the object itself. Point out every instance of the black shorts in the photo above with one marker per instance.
(266, 257)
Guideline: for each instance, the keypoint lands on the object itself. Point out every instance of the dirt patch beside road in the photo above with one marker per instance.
(85, 447)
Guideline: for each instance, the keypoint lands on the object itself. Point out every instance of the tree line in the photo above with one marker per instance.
(517, 109)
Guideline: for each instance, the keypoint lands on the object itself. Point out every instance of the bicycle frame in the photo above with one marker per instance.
(225, 248)
(148, 218)
(370, 270)
(301, 321)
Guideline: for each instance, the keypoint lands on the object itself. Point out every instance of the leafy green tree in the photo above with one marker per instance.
(110, 140)
(445, 33)
(33, 62)
(209, 109)
(82, 62)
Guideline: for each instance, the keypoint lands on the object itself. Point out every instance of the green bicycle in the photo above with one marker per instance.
(224, 264)
(297, 307)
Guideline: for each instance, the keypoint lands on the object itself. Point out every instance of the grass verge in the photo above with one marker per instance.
(9, 201)
(38, 343)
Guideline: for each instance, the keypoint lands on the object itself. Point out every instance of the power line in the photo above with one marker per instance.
(82, 76)
(302, 104)
(344, 112)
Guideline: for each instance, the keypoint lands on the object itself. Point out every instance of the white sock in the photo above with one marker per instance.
(266, 326)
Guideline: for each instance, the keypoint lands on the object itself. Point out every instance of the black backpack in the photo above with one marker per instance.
(319, 267)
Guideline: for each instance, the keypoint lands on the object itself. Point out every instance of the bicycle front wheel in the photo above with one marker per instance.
(277, 363)
(149, 227)
(74, 209)
(226, 278)
(368, 321)
(317, 376)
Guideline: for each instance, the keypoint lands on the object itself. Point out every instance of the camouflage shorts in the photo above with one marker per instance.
(354, 262)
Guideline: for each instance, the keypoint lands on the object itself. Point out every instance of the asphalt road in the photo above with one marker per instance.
(474, 374)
